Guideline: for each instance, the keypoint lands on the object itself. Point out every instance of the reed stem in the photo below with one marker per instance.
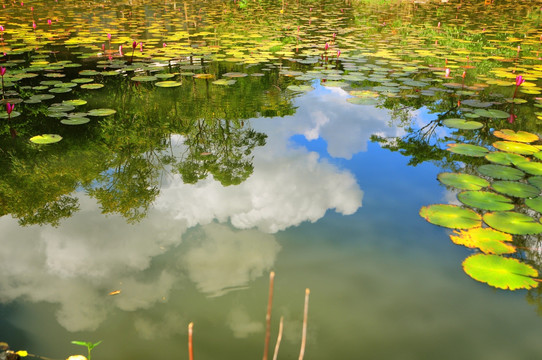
(279, 338)
(304, 334)
(268, 315)
(190, 347)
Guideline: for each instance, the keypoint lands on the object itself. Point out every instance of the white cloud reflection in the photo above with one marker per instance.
(77, 264)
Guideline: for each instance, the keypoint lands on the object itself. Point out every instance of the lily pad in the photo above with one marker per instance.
(530, 167)
(520, 136)
(468, 149)
(462, 181)
(462, 124)
(488, 240)
(504, 158)
(75, 121)
(144, 78)
(451, 216)
(513, 222)
(168, 84)
(92, 86)
(46, 139)
(500, 272)
(500, 172)
(492, 113)
(516, 189)
(515, 147)
(75, 102)
(101, 112)
(224, 82)
(536, 181)
(300, 88)
(485, 200)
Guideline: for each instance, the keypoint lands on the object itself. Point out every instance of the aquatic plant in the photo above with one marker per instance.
(88, 345)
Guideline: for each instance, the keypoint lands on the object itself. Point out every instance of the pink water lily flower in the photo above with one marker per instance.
(2, 28)
(10, 107)
(2, 71)
(134, 45)
(109, 36)
(519, 80)
(447, 73)
(326, 47)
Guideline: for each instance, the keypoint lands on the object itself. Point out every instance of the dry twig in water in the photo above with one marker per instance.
(268, 315)
(305, 315)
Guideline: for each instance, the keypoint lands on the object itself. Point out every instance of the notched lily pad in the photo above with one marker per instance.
(101, 112)
(500, 172)
(500, 272)
(488, 240)
(467, 149)
(46, 139)
(513, 222)
(516, 189)
(485, 200)
(462, 181)
(462, 124)
(451, 216)
(520, 136)
(515, 147)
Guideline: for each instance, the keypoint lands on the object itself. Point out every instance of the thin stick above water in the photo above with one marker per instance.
(190, 348)
(268, 315)
(279, 338)
(304, 334)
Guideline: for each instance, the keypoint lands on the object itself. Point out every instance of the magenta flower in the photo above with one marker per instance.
(109, 36)
(2, 71)
(120, 50)
(9, 108)
(34, 25)
(134, 45)
(326, 47)
(1, 28)
(447, 73)
(519, 80)
(512, 118)
(338, 53)
(49, 22)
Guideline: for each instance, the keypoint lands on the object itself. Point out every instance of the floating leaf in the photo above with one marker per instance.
(485, 200)
(500, 172)
(492, 113)
(504, 158)
(468, 149)
(520, 136)
(515, 147)
(488, 240)
(536, 181)
(500, 272)
(462, 124)
(75, 102)
(535, 203)
(46, 139)
(462, 181)
(92, 86)
(75, 121)
(300, 88)
(530, 167)
(451, 216)
(225, 82)
(516, 189)
(101, 112)
(144, 78)
(513, 223)
(168, 84)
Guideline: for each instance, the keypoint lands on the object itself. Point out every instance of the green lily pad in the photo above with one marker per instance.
(75, 102)
(500, 272)
(168, 84)
(520, 136)
(492, 113)
(60, 90)
(530, 167)
(92, 86)
(451, 216)
(88, 72)
(462, 181)
(468, 149)
(46, 139)
(516, 189)
(513, 222)
(101, 112)
(535, 203)
(164, 76)
(462, 124)
(504, 158)
(224, 82)
(515, 147)
(488, 240)
(362, 100)
(485, 200)
(500, 172)
(75, 121)
(82, 80)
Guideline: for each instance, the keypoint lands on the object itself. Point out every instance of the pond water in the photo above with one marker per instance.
(234, 139)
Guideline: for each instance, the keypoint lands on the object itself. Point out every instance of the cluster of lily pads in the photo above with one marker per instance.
(501, 200)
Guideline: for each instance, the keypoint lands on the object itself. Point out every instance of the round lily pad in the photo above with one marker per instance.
(82, 80)
(504, 158)
(75, 102)
(500, 272)
(485, 200)
(92, 86)
(462, 181)
(515, 147)
(75, 121)
(168, 84)
(164, 76)
(520, 136)
(46, 139)
(513, 222)
(224, 82)
(530, 167)
(462, 124)
(488, 240)
(88, 72)
(500, 172)
(101, 112)
(60, 90)
(492, 113)
(468, 149)
(451, 216)
(516, 189)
